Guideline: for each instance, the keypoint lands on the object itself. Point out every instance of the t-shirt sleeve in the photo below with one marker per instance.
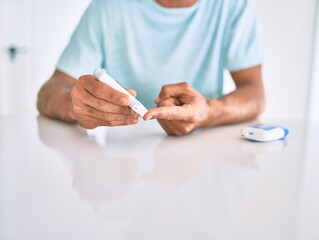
(84, 51)
(244, 45)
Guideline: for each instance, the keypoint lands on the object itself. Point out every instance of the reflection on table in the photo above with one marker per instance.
(137, 183)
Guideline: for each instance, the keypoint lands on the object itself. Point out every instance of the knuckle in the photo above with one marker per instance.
(186, 85)
(77, 109)
(163, 104)
(186, 129)
(81, 79)
(194, 119)
(169, 102)
(84, 80)
(134, 121)
(86, 122)
(165, 89)
(189, 128)
(170, 116)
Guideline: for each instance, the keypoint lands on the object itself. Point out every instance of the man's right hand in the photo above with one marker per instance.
(97, 104)
(86, 101)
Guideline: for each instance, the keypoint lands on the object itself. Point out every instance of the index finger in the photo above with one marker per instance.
(174, 113)
(105, 92)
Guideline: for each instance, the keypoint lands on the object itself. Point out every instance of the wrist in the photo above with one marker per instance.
(61, 107)
(69, 107)
(214, 112)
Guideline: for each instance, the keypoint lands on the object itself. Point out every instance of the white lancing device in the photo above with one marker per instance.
(101, 75)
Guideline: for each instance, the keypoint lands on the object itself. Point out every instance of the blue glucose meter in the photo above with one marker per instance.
(264, 132)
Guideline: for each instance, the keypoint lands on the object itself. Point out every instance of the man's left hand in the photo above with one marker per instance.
(181, 109)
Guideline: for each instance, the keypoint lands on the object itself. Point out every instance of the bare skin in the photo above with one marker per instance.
(176, 3)
(181, 109)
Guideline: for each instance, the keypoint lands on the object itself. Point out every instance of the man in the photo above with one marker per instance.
(173, 51)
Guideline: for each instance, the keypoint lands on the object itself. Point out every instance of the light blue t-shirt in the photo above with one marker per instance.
(145, 46)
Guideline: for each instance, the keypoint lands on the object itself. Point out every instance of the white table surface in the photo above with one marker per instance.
(58, 181)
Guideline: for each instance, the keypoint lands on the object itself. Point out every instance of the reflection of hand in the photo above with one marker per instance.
(102, 179)
(176, 162)
(178, 159)
(181, 109)
(97, 178)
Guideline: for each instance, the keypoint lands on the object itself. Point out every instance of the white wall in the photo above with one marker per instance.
(288, 28)
(314, 88)
(54, 24)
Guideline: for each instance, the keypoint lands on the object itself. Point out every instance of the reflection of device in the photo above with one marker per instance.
(264, 132)
(250, 147)
(135, 104)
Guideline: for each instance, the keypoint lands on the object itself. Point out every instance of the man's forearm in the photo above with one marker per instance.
(54, 100)
(245, 103)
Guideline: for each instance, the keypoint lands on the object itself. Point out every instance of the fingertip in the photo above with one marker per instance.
(148, 116)
(133, 92)
(135, 121)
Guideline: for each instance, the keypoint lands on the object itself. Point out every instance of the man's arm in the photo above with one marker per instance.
(54, 97)
(246, 102)
(181, 109)
(86, 101)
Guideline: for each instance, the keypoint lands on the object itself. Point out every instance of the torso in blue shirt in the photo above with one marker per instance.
(145, 46)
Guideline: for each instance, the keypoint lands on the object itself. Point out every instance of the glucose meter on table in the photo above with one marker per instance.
(264, 132)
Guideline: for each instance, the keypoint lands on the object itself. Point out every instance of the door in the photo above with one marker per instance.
(15, 56)
(33, 34)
